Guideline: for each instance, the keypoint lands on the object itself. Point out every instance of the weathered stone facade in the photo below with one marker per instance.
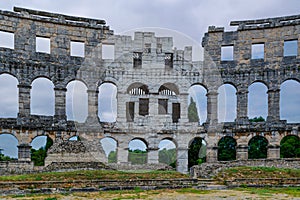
(145, 70)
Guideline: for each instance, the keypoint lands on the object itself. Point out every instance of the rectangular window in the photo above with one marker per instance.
(257, 51)
(42, 45)
(290, 48)
(158, 48)
(147, 48)
(77, 49)
(168, 61)
(143, 107)
(7, 40)
(226, 53)
(162, 106)
(176, 112)
(137, 60)
(130, 111)
(108, 51)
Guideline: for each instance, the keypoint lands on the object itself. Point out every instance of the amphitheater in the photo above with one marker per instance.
(152, 80)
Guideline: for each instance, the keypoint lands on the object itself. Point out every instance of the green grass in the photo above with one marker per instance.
(291, 191)
(94, 175)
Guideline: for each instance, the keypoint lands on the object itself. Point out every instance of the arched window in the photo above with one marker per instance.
(257, 101)
(167, 152)
(258, 148)
(8, 146)
(9, 105)
(40, 146)
(197, 103)
(290, 147)
(227, 102)
(107, 102)
(289, 101)
(137, 152)
(197, 152)
(76, 101)
(226, 149)
(109, 145)
(42, 100)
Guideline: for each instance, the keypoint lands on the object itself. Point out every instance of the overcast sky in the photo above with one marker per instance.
(189, 18)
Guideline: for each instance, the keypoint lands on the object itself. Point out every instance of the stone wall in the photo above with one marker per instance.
(208, 170)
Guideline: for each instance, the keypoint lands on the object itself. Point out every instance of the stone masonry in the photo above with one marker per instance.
(149, 75)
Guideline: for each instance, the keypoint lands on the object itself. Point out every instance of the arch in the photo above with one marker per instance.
(138, 89)
(167, 152)
(290, 147)
(227, 103)
(258, 147)
(42, 97)
(137, 154)
(40, 145)
(107, 102)
(289, 100)
(9, 101)
(196, 152)
(227, 149)
(74, 138)
(258, 100)
(169, 89)
(76, 101)
(110, 147)
(9, 145)
(197, 94)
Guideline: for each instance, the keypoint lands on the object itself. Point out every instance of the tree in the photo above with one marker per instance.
(3, 157)
(137, 157)
(112, 157)
(167, 156)
(258, 148)
(192, 111)
(257, 119)
(290, 147)
(226, 149)
(194, 153)
(38, 156)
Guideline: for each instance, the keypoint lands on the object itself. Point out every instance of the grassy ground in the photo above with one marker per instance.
(93, 175)
(190, 194)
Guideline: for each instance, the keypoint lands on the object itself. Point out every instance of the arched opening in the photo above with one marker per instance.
(137, 154)
(74, 138)
(40, 146)
(42, 96)
(167, 152)
(290, 147)
(257, 101)
(138, 89)
(109, 146)
(289, 100)
(107, 102)
(197, 152)
(8, 147)
(258, 148)
(227, 102)
(9, 105)
(197, 102)
(227, 149)
(76, 101)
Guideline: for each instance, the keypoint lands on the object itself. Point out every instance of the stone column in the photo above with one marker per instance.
(92, 106)
(24, 152)
(273, 152)
(212, 107)
(242, 105)
(183, 100)
(152, 155)
(60, 102)
(211, 153)
(242, 152)
(182, 160)
(273, 104)
(153, 106)
(24, 99)
(122, 154)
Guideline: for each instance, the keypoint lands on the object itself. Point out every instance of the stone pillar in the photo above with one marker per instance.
(122, 154)
(92, 106)
(153, 106)
(183, 107)
(60, 102)
(212, 107)
(273, 104)
(24, 152)
(182, 160)
(24, 99)
(242, 105)
(152, 156)
(211, 153)
(242, 152)
(273, 152)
